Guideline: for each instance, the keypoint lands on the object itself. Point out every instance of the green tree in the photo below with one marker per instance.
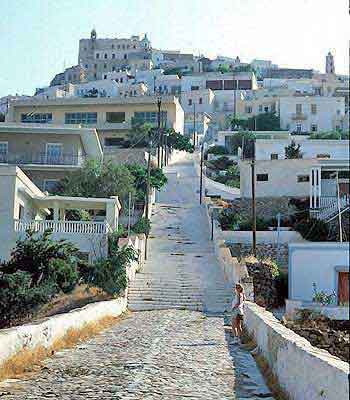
(158, 179)
(224, 68)
(2, 117)
(293, 151)
(264, 122)
(242, 139)
(178, 141)
(140, 134)
(98, 179)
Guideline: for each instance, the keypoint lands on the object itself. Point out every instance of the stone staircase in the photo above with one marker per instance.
(155, 292)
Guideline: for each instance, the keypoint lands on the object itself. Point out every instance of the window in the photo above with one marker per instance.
(114, 141)
(123, 46)
(95, 75)
(230, 84)
(50, 185)
(214, 85)
(37, 118)
(112, 46)
(113, 68)
(106, 56)
(298, 108)
(189, 102)
(274, 156)
(125, 56)
(115, 117)
(81, 118)
(121, 80)
(313, 128)
(104, 65)
(97, 55)
(303, 178)
(54, 153)
(266, 109)
(325, 155)
(118, 46)
(21, 211)
(3, 151)
(262, 177)
(104, 76)
(149, 116)
(200, 100)
(86, 66)
(95, 66)
(313, 108)
(113, 55)
(194, 87)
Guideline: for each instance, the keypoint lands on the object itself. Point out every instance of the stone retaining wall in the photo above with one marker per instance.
(303, 371)
(46, 332)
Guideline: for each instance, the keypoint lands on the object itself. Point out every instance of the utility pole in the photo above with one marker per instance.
(148, 190)
(339, 208)
(253, 201)
(194, 125)
(159, 104)
(129, 215)
(201, 177)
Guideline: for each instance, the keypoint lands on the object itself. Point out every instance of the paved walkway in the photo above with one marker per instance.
(167, 354)
(159, 354)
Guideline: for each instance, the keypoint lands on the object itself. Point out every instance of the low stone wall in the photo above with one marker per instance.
(303, 371)
(46, 332)
(331, 311)
(262, 237)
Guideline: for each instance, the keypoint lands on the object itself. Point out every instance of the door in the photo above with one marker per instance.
(343, 287)
(54, 153)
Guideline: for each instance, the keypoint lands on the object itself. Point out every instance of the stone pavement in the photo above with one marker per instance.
(165, 354)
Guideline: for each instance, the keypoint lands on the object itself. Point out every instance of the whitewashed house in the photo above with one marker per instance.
(24, 206)
(319, 267)
(321, 174)
(305, 114)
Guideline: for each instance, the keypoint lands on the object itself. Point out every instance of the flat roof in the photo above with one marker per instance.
(89, 136)
(93, 100)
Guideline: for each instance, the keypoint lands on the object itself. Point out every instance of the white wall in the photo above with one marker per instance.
(325, 118)
(282, 178)
(337, 149)
(315, 263)
(304, 372)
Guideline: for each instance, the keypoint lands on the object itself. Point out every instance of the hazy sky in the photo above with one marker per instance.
(39, 37)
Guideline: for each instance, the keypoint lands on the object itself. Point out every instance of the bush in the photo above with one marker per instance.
(217, 150)
(247, 224)
(143, 225)
(229, 220)
(18, 298)
(281, 283)
(312, 229)
(110, 274)
(63, 274)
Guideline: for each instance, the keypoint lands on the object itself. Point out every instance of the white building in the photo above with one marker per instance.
(321, 266)
(24, 206)
(320, 175)
(307, 114)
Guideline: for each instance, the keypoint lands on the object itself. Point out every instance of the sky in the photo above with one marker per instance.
(39, 37)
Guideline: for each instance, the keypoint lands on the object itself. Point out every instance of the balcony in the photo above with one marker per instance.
(42, 159)
(66, 227)
(299, 116)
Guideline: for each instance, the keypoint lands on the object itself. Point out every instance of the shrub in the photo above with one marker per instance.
(143, 225)
(229, 220)
(63, 274)
(247, 224)
(217, 150)
(18, 297)
(34, 253)
(312, 229)
(281, 284)
(110, 274)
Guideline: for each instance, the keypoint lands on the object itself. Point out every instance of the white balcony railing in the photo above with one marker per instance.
(72, 227)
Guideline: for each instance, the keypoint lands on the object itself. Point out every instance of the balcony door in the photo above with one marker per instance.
(54, 153)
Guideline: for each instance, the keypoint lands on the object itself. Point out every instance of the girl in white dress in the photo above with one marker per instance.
(238, 312)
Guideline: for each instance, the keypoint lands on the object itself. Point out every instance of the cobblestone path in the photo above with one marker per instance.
(167, 354)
